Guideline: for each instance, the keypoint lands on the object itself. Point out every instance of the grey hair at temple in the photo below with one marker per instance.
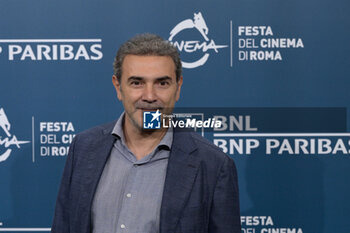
(144, 45)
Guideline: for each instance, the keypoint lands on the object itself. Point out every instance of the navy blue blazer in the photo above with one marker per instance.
(200, 191)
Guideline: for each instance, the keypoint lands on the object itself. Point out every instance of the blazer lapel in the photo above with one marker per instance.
(97, 156)
(181, 173)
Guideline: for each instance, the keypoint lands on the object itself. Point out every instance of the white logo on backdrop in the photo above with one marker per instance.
(198, 23)
(10, 139)
(51, 49)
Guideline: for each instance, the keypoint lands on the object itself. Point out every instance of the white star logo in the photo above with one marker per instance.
(155, 115)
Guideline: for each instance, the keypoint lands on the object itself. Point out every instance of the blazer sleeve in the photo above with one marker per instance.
(225, 214)
(61, 217)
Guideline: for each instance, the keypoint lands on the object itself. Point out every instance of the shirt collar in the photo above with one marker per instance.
(166, 141)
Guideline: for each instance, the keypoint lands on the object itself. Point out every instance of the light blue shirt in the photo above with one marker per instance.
(129, 194)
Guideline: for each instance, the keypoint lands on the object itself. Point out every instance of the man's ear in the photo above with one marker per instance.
(179, 84)
(117, 87)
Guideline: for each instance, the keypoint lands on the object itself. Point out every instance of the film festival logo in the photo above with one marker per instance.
(9, 140)
(198, 23)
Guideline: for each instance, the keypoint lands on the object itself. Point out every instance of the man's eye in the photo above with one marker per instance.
(164, 83)
(135, 83)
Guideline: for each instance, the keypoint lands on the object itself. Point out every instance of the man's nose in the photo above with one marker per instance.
(149, 94)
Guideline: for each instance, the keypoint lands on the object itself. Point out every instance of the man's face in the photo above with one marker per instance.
(148, 83)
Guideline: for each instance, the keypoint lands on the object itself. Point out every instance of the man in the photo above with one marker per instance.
(120, 177)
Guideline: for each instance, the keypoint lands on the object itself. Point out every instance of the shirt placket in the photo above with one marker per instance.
(125, 223)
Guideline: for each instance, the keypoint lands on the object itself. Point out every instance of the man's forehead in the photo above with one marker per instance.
(148, 65)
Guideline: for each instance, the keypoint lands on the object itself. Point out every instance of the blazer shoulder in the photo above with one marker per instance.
(208, 149)
(90, 139)
(96, 131)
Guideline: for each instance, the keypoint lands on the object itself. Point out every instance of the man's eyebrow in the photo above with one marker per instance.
(164, 78)
(138, 78)
(133, 78)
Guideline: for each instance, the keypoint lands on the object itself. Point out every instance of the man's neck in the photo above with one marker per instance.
(142, 142)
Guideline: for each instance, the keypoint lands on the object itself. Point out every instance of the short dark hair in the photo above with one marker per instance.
(147, 44)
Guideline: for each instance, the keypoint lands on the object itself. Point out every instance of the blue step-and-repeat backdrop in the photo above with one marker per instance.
(275, 72)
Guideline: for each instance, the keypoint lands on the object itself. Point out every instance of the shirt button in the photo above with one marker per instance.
(122, 226)
(128, 195)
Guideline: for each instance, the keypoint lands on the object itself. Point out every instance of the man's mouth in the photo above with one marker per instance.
(149, 109)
